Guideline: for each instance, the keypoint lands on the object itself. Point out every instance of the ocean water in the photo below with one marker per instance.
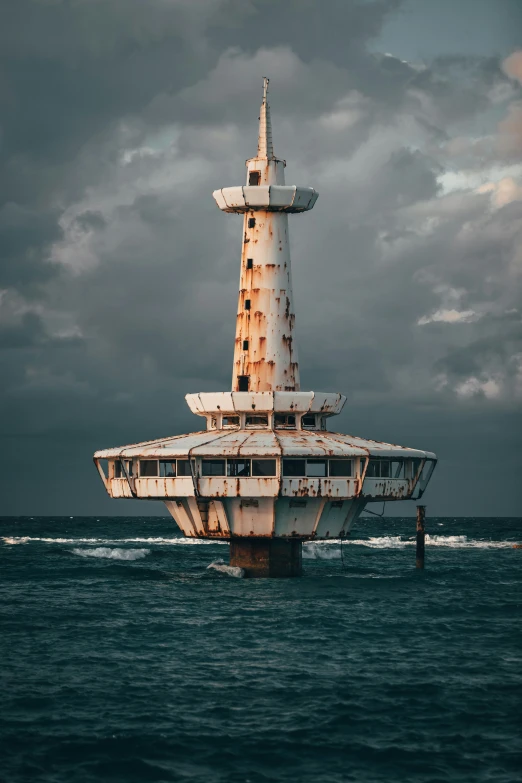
(131, 654)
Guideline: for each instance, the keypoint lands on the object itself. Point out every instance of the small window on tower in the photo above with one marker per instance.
(230, 421)
(308, 422)
(250, 263)
(251, 222)
(242, 382)
(254, 177)
(247, 304)
(245, 345)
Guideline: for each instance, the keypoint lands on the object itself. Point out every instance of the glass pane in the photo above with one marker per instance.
(415, 463)
(118, 469)
(183, 467)
(373, 469)
(148, 467)
(257, 421)
(264, 467)
(238, 467)
(397, 469)
(308, 421)
(340, 467)
(294, 467)
(316, 468)
(230, 421)
(213, 467)
(167, 469)
(385, 468)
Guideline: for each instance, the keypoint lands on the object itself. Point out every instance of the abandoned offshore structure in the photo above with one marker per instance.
(265, 474)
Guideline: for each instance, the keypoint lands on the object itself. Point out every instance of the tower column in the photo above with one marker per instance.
(265, 354)
(267, 557)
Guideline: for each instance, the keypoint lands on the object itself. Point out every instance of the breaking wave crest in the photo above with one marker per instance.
(220, 565)
(112, 554)
(316, 551)
(400, 542)
(175, 541)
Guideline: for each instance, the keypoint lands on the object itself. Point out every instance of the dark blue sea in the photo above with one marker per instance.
(125, 658)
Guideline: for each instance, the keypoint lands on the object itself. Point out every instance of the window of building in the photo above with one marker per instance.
(238, 467)
(250, 263)
(294, 467)
(167, 469)
(231, 421)
(148, 467)
(245, 345)
(286, 420)
(242, 382)
(247, 304)
(379, 468)
(213, 422)
(413, 468)
(183, 467)
(254, 177)
(308, 422)
(251, 222)
(340, 468)
(397, 469)
(120, 466)
(213, 467)
(316, 468)
(264, 467)
(258, 420)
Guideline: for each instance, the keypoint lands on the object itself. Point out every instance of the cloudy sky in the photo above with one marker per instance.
(118, 274)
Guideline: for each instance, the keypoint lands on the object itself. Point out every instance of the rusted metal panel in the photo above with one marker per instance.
(296, 518)
(226, 443)
(326, 402)
(332, 519)
(389, 489)
(260, 444)
(319, 487)
(250, 516)
(228, 486)
(316, 444)
(181, 518)
(119, 488)
(162, 487)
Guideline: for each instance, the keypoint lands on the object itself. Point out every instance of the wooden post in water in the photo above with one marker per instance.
(419, 557)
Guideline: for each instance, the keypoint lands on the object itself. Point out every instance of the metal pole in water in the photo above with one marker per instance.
(421, 514)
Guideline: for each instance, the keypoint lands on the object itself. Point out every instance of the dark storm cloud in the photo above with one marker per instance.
(119, 274)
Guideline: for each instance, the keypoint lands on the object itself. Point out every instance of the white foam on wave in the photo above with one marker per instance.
(11, 541)
(220, 565)
(397, 542)
(315, 551)
(112, 553)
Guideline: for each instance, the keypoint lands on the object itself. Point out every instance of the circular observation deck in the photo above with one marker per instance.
(269, 198)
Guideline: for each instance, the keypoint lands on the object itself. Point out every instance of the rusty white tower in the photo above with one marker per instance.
(265, 474)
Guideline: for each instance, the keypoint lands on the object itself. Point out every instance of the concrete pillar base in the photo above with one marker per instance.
(267, 557)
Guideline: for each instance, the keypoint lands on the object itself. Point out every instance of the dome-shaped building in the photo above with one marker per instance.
(265, 473)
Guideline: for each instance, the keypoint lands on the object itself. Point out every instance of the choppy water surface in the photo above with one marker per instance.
(125, 658)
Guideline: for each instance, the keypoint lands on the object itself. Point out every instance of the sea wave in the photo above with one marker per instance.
(220, 565)
(112, 553)
(400, 542)
(159, 541)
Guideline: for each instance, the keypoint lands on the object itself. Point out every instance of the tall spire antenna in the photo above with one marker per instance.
(265, 147)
